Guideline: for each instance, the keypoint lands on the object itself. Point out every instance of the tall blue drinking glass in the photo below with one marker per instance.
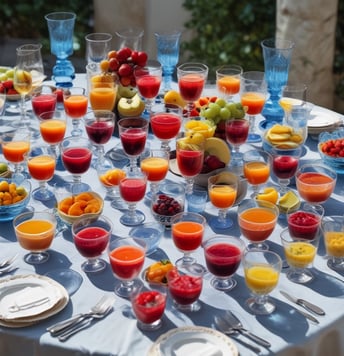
(61, 29)
(168, 55)
(277, 55)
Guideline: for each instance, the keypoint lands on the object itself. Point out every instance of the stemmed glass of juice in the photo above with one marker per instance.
(41, 165)
(191, 80)
(262, 270)
(257, 220)
(43, 99)
(285, 162)
(253, 93)
(15, 147)
(299, 254)
(91, 238)
(223, 256)
(315, 182)
(132, 189)
(187, 234)
(35, 231)
(228, 80)
(99, 125)
(76, 154)
(257, 165)
(156, 167)
(236, 135)
(133, 134)
(222, 196)
(127, 256)
(190, 159)
(53, 129)
(75, 104)
(148, 81)
(185, 287)
(166, 122)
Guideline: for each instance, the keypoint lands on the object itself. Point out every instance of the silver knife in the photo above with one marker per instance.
(308, 316)
(304, 303)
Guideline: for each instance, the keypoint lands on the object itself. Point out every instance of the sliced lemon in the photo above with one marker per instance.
(269, 194)
(217, 147)
(289, 202)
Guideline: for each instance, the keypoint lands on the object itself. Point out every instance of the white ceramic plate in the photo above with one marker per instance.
(321, 117)
(18, 287)
(193, 341)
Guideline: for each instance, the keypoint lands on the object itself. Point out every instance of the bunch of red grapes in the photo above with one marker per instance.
(122, 63)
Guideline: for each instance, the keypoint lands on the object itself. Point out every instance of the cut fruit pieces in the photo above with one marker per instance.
(219, 148)
(269, 194)
(289, 202)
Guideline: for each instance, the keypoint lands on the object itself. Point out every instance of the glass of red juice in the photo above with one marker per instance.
(99, 125)
(126, 257)
(223, 255)
(191, 80)
(132, 189)
(185, 287)
(166, 121)
(43, 99)
(149, 306)
(133, 135)
(285, 162)
(91, 237)
(306, 221)
(76, 154)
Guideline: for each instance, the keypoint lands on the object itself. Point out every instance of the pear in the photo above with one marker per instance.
(130, 106)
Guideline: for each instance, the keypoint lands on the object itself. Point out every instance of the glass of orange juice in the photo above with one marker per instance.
(35, 231)
(300, 254)
(15, 147)
(52, 125)
(257, 166)
(315, 182)
(75, 103)
(262, 270)
(253, 93)
(333, 227)
(41, 165)
(228, 80)
(257, 220)
(127, 256)
(156, 167)
(187, 234)
(222, 196)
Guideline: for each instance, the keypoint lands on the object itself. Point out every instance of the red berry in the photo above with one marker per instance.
(142, 59)
(123, 54)
(135, 56)
(8, 84)
(113, 64)
(125, 70)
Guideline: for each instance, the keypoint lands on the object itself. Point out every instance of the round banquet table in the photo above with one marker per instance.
(289, 332)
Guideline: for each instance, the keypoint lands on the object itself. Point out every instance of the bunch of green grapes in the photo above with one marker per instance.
(220, 110)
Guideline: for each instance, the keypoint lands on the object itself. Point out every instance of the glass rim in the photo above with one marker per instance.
(60, 15)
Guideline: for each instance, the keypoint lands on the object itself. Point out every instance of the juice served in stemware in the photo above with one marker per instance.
(228, 80)
(43, 102)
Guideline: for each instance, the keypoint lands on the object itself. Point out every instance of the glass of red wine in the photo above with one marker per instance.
(99, 125)
(223, 255)
(91, 238)
(148, 81)
(133, 134)
(236, 135)
(132, 189)
(76, 154)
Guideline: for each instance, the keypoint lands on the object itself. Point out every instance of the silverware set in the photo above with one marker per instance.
(66, 328)
(6, 265)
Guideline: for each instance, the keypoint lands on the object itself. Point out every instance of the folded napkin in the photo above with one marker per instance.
(26, 302)
(198, 349)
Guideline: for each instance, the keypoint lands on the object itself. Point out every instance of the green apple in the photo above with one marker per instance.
(3, 167)
(131, 106)
(126, 92)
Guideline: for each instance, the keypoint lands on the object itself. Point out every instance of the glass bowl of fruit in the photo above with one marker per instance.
(169, 201)
(331, 149)
(14, 198)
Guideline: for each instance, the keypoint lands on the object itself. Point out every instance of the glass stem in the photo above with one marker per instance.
(222, 215)
(189, 185)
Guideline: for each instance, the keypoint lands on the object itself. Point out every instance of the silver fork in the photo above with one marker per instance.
(97, 311)
(7, 262)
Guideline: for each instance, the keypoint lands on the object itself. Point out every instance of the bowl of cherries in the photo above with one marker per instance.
(331, 149)
(168, 202)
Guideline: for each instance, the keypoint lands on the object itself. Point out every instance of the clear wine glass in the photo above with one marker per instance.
(127, 256)
(191, 80)
(28, 74)
(133, 133)
(228, 79)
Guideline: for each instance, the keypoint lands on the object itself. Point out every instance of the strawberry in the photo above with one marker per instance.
(8, 84)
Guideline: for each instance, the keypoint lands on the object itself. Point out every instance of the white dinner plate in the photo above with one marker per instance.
(322, 119)
(15, 291)
(193, 341)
